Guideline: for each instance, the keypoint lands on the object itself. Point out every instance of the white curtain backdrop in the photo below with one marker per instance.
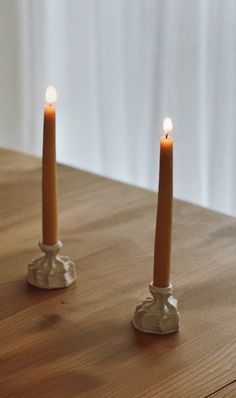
(119, 67)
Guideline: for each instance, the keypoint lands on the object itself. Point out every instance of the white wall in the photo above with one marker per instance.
(119, 67)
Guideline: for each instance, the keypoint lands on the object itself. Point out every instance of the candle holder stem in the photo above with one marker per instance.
(157, 314)
(51, 271)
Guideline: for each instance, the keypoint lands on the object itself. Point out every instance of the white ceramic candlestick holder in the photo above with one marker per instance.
(157, 314)
(51, 271)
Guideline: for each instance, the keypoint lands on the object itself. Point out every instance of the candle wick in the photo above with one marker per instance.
(167, 135)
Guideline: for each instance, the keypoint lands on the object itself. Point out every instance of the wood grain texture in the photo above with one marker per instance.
(228, 391)
(79, 342)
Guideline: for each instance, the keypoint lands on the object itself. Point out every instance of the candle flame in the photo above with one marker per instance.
(167, 125)
(51, 95)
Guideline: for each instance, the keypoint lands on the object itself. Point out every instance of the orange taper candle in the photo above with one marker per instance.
(49, 188)
(162, 249)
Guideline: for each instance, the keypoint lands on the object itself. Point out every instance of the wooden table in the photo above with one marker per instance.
(79, 342)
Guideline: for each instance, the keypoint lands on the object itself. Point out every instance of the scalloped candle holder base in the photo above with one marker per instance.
(51, 271)
(157, 314)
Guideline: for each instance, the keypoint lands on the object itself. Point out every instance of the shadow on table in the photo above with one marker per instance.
(60, 384)
(18, 295)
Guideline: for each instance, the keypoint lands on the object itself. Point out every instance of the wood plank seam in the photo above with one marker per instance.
(220, 389)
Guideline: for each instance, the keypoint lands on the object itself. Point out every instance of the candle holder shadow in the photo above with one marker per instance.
(157, 314)
(51, 271)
